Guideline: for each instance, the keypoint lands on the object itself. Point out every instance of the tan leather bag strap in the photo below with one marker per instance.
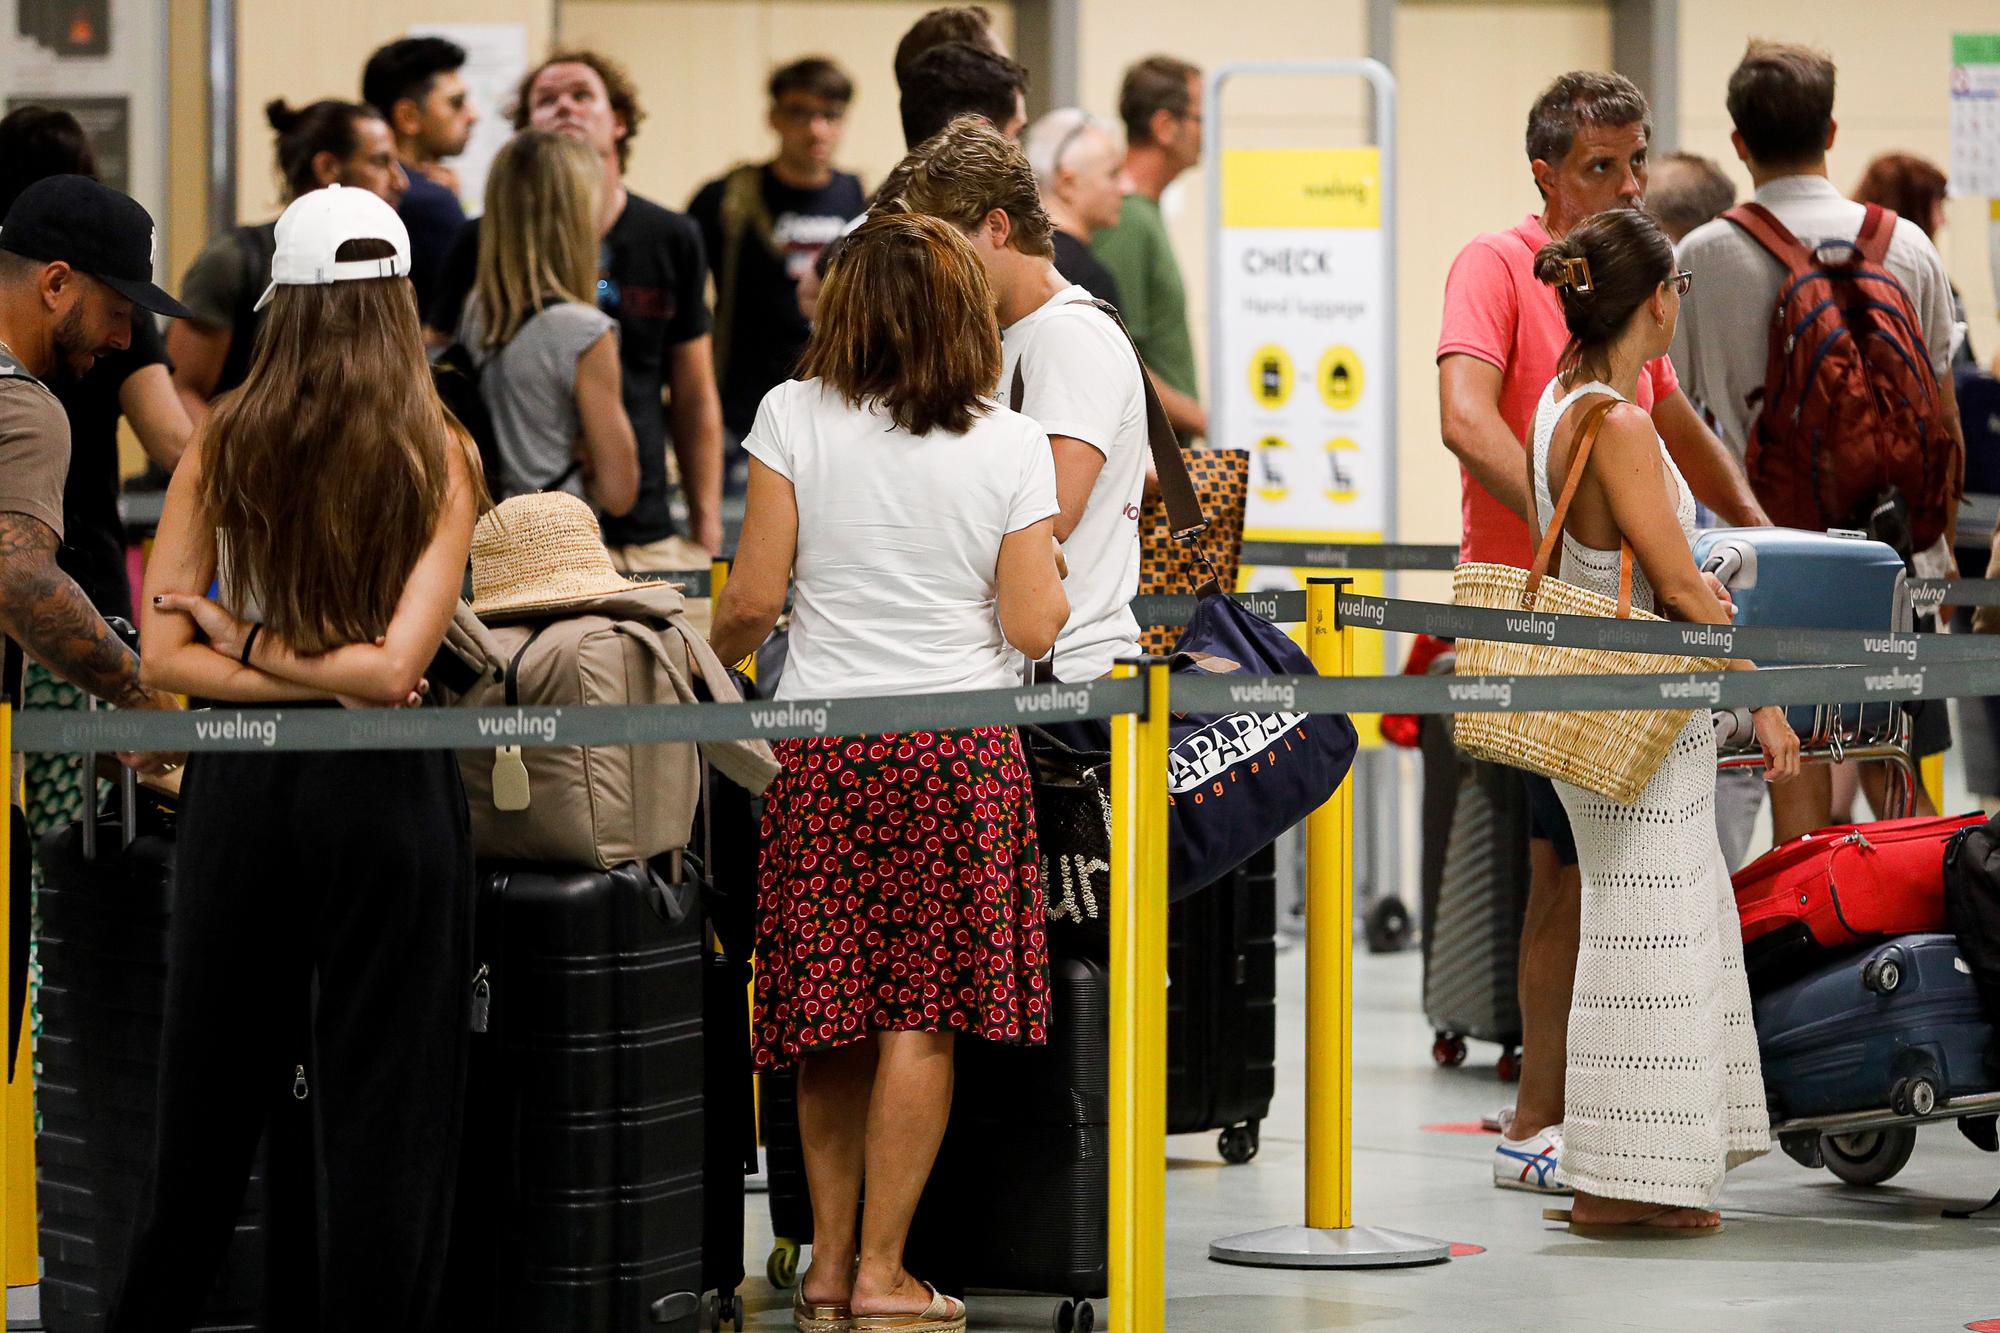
(1545, 543)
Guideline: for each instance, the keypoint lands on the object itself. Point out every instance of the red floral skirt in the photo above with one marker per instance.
(899, 890)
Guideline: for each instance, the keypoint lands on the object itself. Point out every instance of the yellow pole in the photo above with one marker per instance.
(17, 1104)
(1930, 780)
(1139, 1007)
(1329, 953)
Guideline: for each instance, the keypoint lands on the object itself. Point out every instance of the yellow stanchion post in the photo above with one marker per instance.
(1329, 1238)
(18, 1241)
(1139, 1007)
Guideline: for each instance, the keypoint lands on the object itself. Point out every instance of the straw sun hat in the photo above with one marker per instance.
(541, 550)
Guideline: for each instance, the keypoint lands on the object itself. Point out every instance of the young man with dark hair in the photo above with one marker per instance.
(954, 78)
(972, 24)
(1587, 141)
(1078, 376)
(653, 281)
(763, 226)
(75, 259)
(415, 83)
(1781, 101)
(1160, 103)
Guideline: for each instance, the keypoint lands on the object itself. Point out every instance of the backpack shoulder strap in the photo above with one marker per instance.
(1763, 227)
(747, 763)
(1878, 227)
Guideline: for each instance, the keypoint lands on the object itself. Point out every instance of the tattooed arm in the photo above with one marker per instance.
(43, 610)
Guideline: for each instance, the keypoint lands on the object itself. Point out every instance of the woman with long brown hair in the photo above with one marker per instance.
(899, 894)
(318, 976)
(548, 355)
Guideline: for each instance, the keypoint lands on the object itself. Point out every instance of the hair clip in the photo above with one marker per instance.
(1576, 276)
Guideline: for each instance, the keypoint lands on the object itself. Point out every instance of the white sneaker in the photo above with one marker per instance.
(1530, 1164)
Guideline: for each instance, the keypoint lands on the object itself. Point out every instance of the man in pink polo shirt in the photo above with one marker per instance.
(1587, 141)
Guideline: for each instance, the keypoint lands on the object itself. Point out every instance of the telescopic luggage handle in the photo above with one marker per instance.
(128, 780)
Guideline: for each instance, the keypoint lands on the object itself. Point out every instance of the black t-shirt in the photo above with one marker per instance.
(1076, 261)
(93, 544)
(767, 332)
(651, 277)
(432, 215)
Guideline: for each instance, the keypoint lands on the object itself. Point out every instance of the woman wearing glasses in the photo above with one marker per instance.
(1664, 1091)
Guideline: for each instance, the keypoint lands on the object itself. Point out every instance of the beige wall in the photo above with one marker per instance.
(1893, 96)
(701, 66)
(1464, 171)
(303, 52)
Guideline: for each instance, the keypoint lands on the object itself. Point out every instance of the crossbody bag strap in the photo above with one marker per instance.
(1185, 518)
(1545, 542)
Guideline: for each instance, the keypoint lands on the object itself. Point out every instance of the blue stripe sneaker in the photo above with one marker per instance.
(1530, 1164)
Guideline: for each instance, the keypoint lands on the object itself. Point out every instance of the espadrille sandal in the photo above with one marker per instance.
(1644, 1228)
(945, 1314)
(820, 1317)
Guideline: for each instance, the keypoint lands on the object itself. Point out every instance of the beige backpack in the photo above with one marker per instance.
(593, 805)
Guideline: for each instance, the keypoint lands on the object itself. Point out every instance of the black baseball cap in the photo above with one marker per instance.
(94, 229)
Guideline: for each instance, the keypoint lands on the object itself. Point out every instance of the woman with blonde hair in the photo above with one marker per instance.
(899, 895)
(548, 357)
(319, 971)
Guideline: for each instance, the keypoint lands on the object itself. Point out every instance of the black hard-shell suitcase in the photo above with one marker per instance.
(103, 949)
(1222, 1006)
(581, 1189)
(1476, 844)
(1018, 1199)
(1896, 1025)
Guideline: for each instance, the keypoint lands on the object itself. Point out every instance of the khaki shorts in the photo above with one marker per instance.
(666, 556)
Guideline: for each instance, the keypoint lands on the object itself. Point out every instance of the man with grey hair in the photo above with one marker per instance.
(1503, 334)
(1685, 191)
(1076, 160)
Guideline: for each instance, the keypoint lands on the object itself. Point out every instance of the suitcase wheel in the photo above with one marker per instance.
(1913, 1096)
(1387, 927)
(1884, 973)
(782, 1268)
(1448, 1050)
(1075, 1317)
(1509, 1067)
(1868, 1158)
(1239, 1143)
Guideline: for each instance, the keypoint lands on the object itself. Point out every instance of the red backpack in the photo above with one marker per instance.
(1851, 422)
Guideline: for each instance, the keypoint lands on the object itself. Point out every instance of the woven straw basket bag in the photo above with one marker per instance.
(1612, 754)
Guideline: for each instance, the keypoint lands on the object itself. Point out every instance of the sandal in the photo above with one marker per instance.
(945, 1314)
(1638, 1229)
(818, 1317)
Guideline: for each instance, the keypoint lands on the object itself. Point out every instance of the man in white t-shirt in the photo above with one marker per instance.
(1077, 373)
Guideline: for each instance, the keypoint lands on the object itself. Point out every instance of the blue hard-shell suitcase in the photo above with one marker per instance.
(1897, 1026)
(1793, 579)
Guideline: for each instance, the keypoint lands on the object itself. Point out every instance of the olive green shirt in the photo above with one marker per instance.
(1154, 303)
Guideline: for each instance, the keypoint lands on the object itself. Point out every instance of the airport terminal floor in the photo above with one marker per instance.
(1799, 1249)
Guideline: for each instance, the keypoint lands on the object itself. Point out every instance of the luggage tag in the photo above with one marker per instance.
(510, 779)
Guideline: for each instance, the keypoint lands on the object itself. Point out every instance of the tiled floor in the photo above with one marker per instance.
(1800, 1252)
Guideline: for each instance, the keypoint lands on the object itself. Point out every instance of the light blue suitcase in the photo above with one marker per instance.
(1793, 579)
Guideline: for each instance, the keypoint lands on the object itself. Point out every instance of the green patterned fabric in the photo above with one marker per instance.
(53, 788)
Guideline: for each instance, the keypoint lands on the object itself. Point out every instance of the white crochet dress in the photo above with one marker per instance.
(1664, 1089)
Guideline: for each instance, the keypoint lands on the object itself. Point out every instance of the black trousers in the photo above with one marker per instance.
(318, 988)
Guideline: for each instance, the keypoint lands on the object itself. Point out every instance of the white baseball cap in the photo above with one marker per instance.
(312, 230)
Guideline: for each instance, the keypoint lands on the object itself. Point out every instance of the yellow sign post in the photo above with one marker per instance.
(18, 1242)
(1138, 1216)
(1329, 1238)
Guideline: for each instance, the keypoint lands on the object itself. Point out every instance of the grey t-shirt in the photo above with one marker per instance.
(529, 387)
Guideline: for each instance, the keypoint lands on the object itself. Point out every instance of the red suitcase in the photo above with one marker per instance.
(1846, 884)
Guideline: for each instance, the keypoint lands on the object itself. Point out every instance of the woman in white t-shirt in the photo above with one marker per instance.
(899, 894)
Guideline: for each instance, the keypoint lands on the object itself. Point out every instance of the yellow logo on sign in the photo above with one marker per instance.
(1273, 467)
(1340, 378)
(1270, 376)
(1302, 187)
